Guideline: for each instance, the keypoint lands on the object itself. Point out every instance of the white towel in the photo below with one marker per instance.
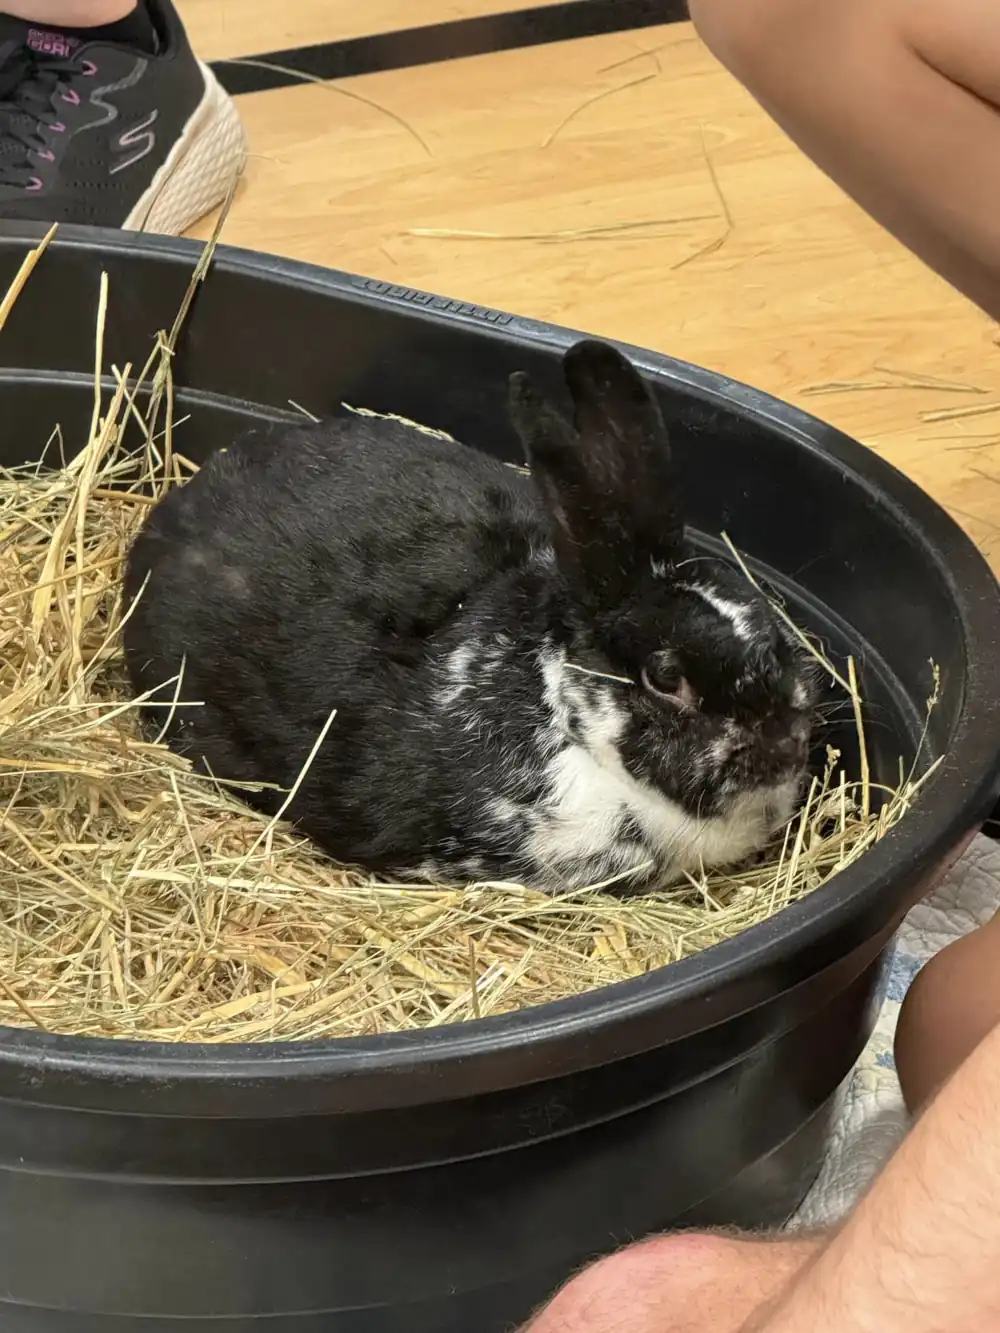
(872, 1118)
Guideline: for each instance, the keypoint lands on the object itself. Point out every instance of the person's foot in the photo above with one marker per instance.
(110, 134)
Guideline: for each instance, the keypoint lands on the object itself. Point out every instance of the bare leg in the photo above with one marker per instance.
(920, 1255)
(898, 101)
(69, 13)
(952, 1005)
(922, 1252)
(677, 1284)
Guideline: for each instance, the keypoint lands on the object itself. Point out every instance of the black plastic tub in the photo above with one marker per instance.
(446, 1182)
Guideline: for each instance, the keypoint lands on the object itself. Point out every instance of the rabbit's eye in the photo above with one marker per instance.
(663, 680)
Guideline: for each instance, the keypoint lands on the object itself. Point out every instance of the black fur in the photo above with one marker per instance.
(357, 565)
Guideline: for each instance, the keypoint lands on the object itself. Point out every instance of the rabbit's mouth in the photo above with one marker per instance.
(779, 803)
(755, 816)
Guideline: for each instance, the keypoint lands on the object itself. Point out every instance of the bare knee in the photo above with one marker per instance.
(649, 1277)
(686, 1283)
(951, 1006)
(761, 41)
(756, 39)
(741, 32)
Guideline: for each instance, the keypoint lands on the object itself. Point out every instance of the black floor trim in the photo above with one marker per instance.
(450, 41)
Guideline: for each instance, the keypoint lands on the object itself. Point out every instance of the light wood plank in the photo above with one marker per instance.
(804, 289)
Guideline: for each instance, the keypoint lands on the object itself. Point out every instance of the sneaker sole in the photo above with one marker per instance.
(200, 169)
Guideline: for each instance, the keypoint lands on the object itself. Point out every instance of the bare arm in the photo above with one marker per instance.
(898, 101)
(922, 1252)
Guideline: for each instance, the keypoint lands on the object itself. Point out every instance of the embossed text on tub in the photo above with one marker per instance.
(432, 302)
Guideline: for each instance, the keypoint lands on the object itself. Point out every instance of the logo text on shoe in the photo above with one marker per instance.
(140, 138)
(51, 43)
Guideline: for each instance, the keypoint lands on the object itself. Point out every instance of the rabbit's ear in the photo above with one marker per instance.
(607, 482)
(541, 428)
(552, 454)
(621, 430)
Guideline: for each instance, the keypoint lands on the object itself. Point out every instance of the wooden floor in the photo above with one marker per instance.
(707, 235)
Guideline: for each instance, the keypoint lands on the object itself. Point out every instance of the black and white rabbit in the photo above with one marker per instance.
(536, 680)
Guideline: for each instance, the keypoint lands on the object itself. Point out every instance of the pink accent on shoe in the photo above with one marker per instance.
(89, 69)
(46, 154)
(71, 96)
(34, 185)
(57, 127)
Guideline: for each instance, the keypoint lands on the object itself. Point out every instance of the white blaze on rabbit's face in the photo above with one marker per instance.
(739, 614)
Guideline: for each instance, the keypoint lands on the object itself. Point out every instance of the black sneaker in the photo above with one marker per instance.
(104, 134)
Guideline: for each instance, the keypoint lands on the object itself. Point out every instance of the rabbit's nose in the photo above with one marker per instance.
(789, 749)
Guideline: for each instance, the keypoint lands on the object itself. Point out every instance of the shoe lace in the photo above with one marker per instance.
(28, 82)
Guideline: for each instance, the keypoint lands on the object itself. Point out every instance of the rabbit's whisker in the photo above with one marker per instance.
(599, 675)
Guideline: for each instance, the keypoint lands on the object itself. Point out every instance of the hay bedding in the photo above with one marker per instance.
(138, 899)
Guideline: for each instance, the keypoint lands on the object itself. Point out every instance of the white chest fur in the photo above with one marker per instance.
(593, 806)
